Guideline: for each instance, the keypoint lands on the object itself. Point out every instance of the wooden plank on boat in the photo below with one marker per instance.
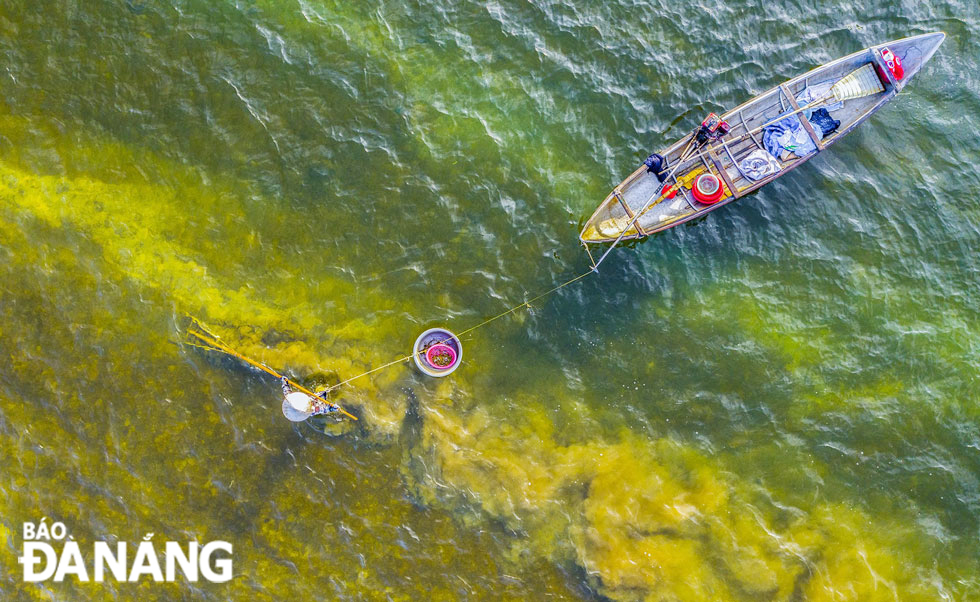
(723, 172)
(622, 201)
(629, 212)
(803, 120)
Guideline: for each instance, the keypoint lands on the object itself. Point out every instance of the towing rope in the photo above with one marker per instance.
(212, 343)
(470, 329)
(204, 338)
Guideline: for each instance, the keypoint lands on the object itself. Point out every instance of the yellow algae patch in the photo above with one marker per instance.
(849, 562)
(631, 487)
(649, 519)
(644, 527)
(609, 507)
(661, 519)
(848, 399)
(521, 478)
(146, 239)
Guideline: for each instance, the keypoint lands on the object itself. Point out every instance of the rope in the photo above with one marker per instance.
(372, 370)
(468, 330)
(526, 303)
(211, 342)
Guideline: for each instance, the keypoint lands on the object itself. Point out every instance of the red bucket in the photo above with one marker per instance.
(707, 189)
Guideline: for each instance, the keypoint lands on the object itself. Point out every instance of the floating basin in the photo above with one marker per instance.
(435, 344)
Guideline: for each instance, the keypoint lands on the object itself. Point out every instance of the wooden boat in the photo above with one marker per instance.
(638, 207)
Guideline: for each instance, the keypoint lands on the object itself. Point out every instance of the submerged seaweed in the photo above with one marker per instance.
(777, 404)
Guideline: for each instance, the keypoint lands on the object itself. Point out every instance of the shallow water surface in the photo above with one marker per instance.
(779, 402)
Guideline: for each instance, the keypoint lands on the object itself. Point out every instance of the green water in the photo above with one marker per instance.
(777, 403)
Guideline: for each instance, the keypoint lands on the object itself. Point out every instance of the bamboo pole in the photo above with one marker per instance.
(212, 341)
(781, 117)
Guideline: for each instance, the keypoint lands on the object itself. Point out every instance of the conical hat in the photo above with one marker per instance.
(300, 401)
(863, 81)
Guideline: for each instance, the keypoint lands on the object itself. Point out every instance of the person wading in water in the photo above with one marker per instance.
(297, 406)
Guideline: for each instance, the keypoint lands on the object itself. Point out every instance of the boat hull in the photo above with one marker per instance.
(636, 205)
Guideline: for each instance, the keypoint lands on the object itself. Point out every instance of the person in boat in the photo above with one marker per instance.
(298, 406)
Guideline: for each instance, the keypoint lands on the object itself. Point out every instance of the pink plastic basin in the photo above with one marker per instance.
(439, 350)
